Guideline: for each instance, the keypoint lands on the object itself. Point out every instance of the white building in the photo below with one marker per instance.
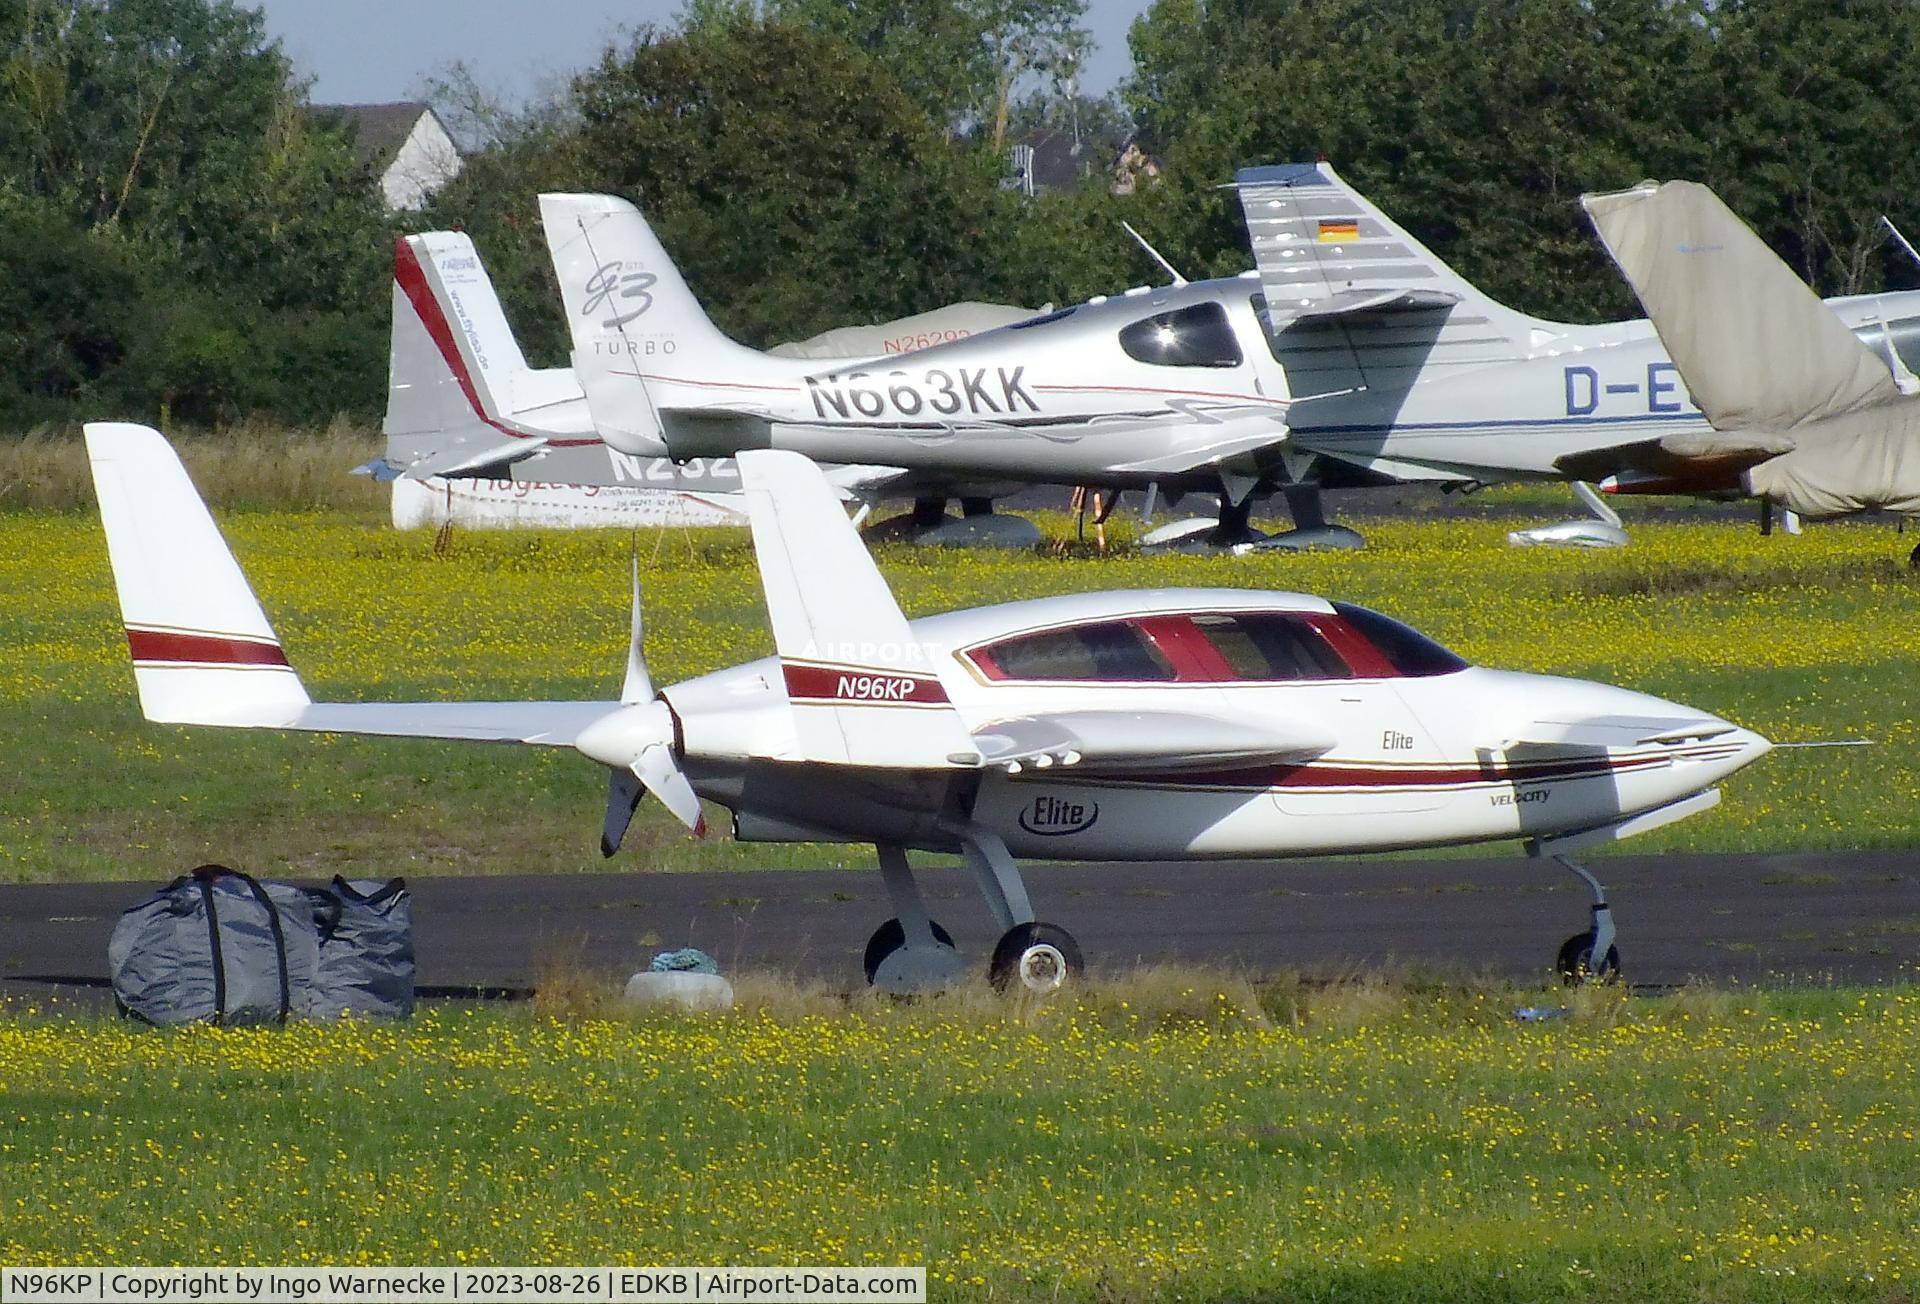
(404, 145)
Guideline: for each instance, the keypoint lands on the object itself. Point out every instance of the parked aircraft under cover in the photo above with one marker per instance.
(1175, 724)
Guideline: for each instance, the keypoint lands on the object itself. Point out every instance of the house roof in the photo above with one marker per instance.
(378, 129)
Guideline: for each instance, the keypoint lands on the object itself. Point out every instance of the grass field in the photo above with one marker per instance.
(1173, 1136)
(1808, 638)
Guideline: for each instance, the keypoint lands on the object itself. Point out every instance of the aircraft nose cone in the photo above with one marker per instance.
(617, 738)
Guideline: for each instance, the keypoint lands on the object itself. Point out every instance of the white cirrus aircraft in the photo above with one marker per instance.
(1170, 724)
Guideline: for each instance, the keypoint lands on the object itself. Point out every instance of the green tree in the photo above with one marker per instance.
(798, 186)
(170, 140)
(963, 61)
(1480, 122)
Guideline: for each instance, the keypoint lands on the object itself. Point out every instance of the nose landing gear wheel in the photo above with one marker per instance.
(1037, 959)
(1576, 966)
(890, 937)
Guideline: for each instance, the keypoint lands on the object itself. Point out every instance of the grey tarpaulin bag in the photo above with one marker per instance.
(215, 945)
(365, 964)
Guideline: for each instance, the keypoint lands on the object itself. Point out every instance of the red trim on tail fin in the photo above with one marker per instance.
(179, 647)
(412, 280)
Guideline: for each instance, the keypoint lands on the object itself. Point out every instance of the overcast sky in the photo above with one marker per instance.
(370, 51)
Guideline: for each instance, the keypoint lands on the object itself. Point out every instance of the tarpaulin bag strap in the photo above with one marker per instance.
(204, 876)
(207, 874)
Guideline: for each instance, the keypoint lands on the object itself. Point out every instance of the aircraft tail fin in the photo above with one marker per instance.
(1756, 347)
(451, 347)
(461, 399)
(631, 315)
(1315, 238)
(862, 688)
(203, 652)
(1352, 299)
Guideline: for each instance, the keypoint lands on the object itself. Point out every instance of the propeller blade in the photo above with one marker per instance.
(638, 686)
(666, 780)
(623, 798)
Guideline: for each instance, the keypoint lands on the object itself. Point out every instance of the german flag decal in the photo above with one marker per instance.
(1337, 229)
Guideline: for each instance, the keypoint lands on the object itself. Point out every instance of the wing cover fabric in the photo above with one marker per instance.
(1755, 346)
(1097, 741)
(1861, 461)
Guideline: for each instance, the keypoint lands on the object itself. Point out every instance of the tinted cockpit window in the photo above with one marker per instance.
(1199, 336)
(1406, 649)
(1112, 651)
(1272, 645)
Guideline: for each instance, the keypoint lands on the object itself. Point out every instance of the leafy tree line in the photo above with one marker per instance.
(181, 238)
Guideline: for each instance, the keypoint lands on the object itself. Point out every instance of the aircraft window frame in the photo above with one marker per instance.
(990, 658)
(1411, 654)
(1309, 644)
(1198, 335)
(1263, 318)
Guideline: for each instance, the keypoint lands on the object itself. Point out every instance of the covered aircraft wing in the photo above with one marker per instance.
(1866, 460)
(1105, 741)
(1755, 346)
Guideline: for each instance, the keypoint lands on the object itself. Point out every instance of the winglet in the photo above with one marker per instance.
(203, 652)
(864, 691)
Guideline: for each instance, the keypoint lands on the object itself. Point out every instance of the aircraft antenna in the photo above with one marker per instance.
(1905, 243)
(1154, 254)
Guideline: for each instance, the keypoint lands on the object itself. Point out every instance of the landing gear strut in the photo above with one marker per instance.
(908, 953)
(912, 953)
(1589, 957)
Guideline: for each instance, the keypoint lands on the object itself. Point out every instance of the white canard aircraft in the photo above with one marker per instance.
(1170, 724)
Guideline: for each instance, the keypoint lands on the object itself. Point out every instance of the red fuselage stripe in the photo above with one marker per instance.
(1350, 774)
(860, 685)
(202, 649)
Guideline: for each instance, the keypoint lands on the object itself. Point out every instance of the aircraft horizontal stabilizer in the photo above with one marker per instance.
(1121, 741)
(1755, 346)
(1614, 731)
(1352, 303)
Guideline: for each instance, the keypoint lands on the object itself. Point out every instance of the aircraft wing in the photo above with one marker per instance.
(1755, 345)
(1612, 731)
(1709, 461)
(1121, 741)
(542, 724)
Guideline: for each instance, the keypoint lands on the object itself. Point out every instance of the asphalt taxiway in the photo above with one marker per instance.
(1843, 917)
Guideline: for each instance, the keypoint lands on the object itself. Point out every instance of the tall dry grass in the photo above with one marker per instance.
(250, 465)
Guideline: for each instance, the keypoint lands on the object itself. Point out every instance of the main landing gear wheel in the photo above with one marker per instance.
(1576, 966)
(1036, 959)
(890, 937)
